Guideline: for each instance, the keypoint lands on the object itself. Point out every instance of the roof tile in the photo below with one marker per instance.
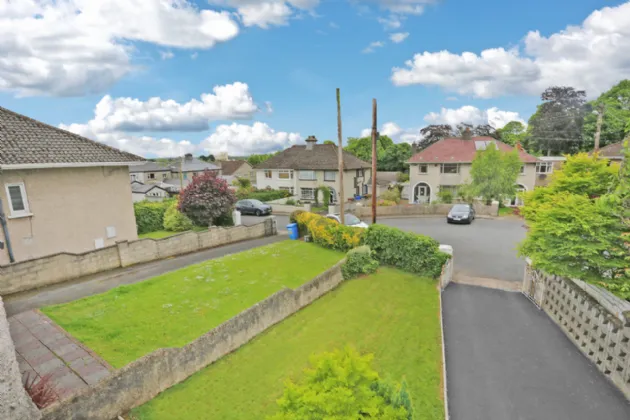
(322, 157)
(457, 150)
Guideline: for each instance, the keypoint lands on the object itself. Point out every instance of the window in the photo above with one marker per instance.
(449, 168)
(164, 175)
(267, 174)
(544, 167)
(289, 189)
(307, 175)
(330, 175)
(307, 193)
(151, 176)
(423, 168)
(285, 174)
(522, 172)
(360, 173)
(18, 203)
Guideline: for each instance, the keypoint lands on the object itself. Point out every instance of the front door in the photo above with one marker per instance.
(422, 194)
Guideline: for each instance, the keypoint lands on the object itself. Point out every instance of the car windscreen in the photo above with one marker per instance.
(256, 202)
(351, 219)
(461, 207)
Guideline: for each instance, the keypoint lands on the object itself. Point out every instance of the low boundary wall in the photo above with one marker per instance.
(447, 269)
(143, 379)
(57, 268)
(595, 320)
(423, 209)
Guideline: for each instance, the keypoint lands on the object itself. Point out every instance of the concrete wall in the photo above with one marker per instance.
(423, 209)
(447, 269)
(15, 404)
(71, 210)
(57, 268)
(145, 378)
(595, 320)
(434, 178)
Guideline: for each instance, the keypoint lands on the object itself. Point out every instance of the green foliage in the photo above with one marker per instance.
(290, 202)
(385, 203)
(341, 385)
(328, 233)
(150, 215)
(258, 159)
(445, 196)
(206, 199)
(394, 158)
(242, 183)
(325, 195)
(360, 260)
(414, 253)
(466, 193)
(616, 122)
(402, 177)
(329, 142)
(390, 156)
(392, 194)
(584, 174)
(512, 133)
(176, 221)
(494, 173)
(263, 195)
(293, 217)
(224, 220)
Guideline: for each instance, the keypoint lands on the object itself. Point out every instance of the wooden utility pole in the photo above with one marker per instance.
(342, 216)
(374, 140)
(600, 120)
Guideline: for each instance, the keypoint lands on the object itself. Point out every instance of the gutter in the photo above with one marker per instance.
(66, 165)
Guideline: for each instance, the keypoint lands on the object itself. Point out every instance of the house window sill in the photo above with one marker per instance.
(20, 216)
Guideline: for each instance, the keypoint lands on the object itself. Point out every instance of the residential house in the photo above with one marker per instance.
(238, 169)
(191, 166)
(60, 192)
(446, 164)
(302, 169)
(149, 172)
(612, 152)
(545, 167)
(149, 192)
(384, 180)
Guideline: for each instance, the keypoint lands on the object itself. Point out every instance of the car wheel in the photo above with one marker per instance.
(258, 213)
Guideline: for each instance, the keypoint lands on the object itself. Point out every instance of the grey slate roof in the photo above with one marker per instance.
(228, 167)
(322, 157)
(149, 167)
(24, 140)
(144, 188)
(192, 164)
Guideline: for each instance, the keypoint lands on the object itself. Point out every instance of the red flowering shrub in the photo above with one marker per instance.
(206, 199)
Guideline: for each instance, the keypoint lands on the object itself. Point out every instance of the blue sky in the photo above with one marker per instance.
(292, 58)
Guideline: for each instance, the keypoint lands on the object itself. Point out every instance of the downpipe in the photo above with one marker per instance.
(5, 231)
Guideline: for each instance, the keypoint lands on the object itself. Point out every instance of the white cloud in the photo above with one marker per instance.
(240, 139)
(373, 46)
(589, 56)
(473, 115)
(74, 47)
(391, 22)
(166, 55)
(267, 12)
(395, 132)
(232, 101)
(411, 7)
(398, 37)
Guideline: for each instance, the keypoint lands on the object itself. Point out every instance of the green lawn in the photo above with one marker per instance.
(175, 308)
(506, 211)
(392, 314)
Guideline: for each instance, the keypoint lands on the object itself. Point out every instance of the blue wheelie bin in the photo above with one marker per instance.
(293, 231)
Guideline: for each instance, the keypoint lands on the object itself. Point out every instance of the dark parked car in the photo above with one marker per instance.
(461, 213)
(253, 207)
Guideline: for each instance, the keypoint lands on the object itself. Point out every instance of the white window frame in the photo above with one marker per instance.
(334, 176)
(287, 172)
(426, 168)
(522, 170)
(311, 196)
(18, 213)
(268, 173)
(547, 165)
(450, 164)
(304, 178)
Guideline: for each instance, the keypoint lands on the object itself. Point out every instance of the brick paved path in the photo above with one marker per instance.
(43, 348)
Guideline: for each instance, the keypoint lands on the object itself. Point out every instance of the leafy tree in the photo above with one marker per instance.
(342, 385)
(209, 158)
(584, 174)
(556, 127)
(494, 173)
(483, 130)
(329, 142)
(176, 221)
(206, 199)
(362, 147)
(395, 158)
(258, 159)
(616, 121)
(432, 134)
(512, 133)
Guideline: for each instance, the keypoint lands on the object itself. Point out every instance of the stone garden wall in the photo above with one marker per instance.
(143, 379)
(423, 209)
(595, 320)
(32, 274)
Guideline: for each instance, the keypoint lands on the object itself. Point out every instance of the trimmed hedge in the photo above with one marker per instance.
(264, 195)
(150, 215)
(414, 253)
(176, 221)
(328, 233)
(359, 261)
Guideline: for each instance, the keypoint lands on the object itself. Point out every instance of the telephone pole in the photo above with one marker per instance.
(374, 139)
(342, 216)
(600, 120)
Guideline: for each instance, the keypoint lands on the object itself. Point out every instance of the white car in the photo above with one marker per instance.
(349, 219)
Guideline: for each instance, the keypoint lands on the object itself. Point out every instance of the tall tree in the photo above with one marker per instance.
(556, 127)
(362, 147)
(395, 158)
(329, 142)
(494, 173)
(258, 159)
(432, 134)
(616, 123)
(512, 133)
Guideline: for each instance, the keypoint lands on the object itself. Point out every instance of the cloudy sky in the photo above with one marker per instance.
(164, 77)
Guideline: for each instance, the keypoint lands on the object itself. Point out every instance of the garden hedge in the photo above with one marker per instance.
(359, 261)
(328, 233)
(150, 215)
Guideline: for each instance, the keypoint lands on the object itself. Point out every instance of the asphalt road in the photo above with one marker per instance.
(506, 360)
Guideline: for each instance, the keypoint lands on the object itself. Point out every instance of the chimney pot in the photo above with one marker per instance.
(310, 141)
(467, 134)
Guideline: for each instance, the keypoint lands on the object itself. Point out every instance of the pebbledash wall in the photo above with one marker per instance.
(423, 209)
(595, 320)
(143, 379)
(57, 268)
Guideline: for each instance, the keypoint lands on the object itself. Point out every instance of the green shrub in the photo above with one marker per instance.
(359, 261)
(290, 202)
(224, 220)
(150, 215)
(263, 195)
(176, 221)
(325, 195)
(414, 253)
(328, 233)
(386, 203)
(343, 385)
(445, 196)
(391, 195)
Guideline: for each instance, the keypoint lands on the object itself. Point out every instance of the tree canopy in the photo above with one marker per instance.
(512, 133)
(616, 120)
(494, 174)
(390, 156)
(329, 142)
(257, 159)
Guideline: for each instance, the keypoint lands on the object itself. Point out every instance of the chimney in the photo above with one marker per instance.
(188, 157)
(467, 135)
(310, 142)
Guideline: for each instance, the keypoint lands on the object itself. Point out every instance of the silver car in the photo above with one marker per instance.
(349, 220)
